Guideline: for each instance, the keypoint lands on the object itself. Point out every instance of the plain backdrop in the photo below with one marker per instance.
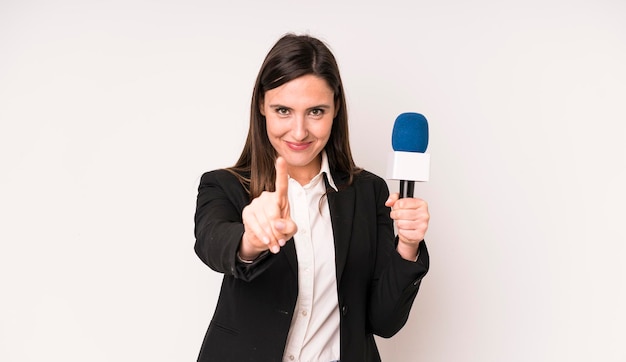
(111, 111)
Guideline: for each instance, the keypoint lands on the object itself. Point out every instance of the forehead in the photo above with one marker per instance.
(302, 90)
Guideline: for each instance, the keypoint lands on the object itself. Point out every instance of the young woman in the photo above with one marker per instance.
(305, 239)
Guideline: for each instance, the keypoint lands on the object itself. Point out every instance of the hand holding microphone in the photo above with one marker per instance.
(409, 164)
(411, 217)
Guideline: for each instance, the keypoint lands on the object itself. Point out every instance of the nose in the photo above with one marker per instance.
(299, 130)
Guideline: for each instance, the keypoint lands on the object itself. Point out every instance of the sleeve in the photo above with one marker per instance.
(219, 227)
(396, 280)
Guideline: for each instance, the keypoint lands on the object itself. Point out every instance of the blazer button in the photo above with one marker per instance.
(344, 310)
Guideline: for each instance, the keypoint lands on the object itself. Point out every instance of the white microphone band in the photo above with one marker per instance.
(410, 166)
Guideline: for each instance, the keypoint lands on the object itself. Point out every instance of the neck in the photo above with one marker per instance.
(305, 174)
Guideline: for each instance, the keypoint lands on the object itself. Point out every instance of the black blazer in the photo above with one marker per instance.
(376, 287)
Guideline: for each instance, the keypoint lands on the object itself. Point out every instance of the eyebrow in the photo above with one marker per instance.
(324, 106)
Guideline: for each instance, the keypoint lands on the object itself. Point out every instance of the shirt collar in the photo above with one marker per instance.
(324, 173)
(326, 169)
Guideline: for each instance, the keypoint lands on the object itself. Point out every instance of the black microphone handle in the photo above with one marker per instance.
(407, 188)
(411, 189)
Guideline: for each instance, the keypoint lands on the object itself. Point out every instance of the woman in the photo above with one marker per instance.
(304, 238)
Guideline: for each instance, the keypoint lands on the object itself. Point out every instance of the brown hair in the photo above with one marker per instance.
(291, 57)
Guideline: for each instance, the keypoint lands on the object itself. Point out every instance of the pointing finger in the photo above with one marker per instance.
(282, 181)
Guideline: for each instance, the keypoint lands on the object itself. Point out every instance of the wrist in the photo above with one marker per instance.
(245, 260)
(252, 260)
(247, 253)
(408, 251)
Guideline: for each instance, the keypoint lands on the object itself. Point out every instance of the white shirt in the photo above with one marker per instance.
(314, 331)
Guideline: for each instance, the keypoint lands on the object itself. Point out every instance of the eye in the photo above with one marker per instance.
(317, 112)
(282, 111)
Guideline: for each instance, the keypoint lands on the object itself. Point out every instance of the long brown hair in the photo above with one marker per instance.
(291, 57)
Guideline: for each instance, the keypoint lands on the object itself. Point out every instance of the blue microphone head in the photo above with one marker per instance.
(410, 133)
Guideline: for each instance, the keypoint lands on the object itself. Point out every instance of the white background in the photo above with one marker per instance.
(111, 111)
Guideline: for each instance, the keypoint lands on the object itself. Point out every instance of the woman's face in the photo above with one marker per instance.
(299, 116)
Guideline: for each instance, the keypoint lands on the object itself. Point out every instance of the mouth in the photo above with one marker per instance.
(298, 146)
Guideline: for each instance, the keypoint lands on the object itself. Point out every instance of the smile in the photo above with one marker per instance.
(298, 146)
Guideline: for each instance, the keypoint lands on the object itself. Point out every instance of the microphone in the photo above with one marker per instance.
(408, 162)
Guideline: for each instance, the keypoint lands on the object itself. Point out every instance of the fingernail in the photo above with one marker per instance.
(266, 240)
(279, 225)
(275, 249)
(281, 242)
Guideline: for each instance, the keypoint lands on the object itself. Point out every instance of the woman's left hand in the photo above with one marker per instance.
(411, 218)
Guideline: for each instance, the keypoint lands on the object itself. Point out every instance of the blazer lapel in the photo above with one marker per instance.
(341, 204)
(290, 253)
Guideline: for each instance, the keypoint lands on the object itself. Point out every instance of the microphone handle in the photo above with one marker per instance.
(407, 188)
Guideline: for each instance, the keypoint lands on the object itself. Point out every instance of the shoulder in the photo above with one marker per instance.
(223, 184)
(217, 176)
(224, 179)
(221, 176)
(365, 177)
(368, 176)
(363, 181)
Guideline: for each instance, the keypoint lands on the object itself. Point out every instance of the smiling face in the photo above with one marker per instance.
(299, 117)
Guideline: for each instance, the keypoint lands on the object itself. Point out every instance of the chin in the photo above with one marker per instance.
(298, 160)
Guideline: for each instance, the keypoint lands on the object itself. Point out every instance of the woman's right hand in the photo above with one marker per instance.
(266, 219)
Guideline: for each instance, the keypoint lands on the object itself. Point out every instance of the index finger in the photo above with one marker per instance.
(282, 178)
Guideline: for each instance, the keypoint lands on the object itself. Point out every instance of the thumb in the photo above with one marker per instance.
(286, 226)
(392, 199)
